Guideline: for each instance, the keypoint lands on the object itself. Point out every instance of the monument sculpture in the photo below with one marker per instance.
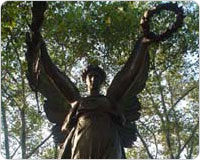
(96, 126)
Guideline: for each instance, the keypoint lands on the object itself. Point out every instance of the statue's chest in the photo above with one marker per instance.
(97, 103)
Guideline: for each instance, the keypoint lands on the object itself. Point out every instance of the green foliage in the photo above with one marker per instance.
(104, 33)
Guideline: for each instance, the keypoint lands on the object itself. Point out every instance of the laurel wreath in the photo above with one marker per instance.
(169, 31)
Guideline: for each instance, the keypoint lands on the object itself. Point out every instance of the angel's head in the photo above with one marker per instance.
(94, 76)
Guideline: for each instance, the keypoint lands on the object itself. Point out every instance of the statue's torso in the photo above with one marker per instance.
(95, 134)
(95, 104)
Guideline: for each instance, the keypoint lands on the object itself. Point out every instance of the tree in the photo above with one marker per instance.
(78, 33)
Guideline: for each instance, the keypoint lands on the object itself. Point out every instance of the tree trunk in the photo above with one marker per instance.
(5, 129)
(23, 133)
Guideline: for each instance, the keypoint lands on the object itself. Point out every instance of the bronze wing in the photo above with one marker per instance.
(126, 85)
(46, 78)
(55, 86)
(131, 79)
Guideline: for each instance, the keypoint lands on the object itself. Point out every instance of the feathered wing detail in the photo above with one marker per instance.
(55, 106)
(131, 107)
(133, 75)
(46, 78)
(138, 64)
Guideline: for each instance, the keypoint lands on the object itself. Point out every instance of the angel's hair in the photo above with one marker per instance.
(94, 68)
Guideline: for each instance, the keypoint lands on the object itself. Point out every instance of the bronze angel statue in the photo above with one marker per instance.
(97, 126)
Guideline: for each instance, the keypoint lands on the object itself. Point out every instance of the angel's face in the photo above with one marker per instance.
(93, 81)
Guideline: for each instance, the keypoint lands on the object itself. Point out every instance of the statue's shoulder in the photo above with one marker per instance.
(92, 98)
(92, 102)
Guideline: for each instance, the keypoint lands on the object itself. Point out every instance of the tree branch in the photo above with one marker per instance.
(182, 96)
(155, 106)
(36, 148)
(23, 132)
(12, 77)
(174, 114)
(177, 130)
(189, 156)
(11, 157)
(167, 134)
(9, 95)
(188, 140)
(5, 126)
(145, 145)
(145, 126)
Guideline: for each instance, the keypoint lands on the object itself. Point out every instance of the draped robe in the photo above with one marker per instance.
(95, 134)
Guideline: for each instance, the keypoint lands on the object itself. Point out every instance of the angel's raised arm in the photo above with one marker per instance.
(40, 65)
(135, 72)
(63, 82)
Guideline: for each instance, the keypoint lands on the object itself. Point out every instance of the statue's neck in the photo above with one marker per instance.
(94, 92)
